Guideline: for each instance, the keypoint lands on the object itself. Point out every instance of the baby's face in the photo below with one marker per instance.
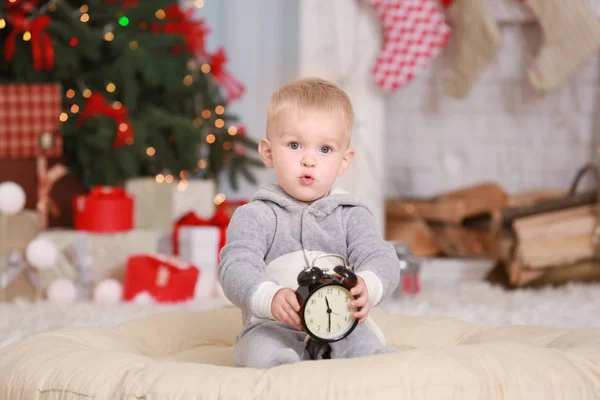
(309, 153)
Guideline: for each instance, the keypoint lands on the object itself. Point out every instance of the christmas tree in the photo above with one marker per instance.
(142, 96)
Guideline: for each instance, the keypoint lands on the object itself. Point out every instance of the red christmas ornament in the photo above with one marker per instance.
(233, 87)
(41, 42)
(96, 105)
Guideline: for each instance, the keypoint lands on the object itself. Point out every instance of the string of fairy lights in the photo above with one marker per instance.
(202, 113)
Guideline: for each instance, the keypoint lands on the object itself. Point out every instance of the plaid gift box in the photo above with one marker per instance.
(29, 120)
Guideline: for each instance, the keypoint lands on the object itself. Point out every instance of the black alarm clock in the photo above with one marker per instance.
(324, 299)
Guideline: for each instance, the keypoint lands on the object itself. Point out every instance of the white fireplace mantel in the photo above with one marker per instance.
(338, 41)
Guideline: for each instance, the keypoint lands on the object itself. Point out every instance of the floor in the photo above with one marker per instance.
(451, 288)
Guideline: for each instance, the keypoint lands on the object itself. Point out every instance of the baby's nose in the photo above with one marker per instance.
(308, 162)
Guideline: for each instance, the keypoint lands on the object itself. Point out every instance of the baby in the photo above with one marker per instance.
(288, 224)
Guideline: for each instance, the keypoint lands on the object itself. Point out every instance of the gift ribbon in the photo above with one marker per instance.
(233, 87)
(220, 220)
(46, 180)
(41, 42)
(96, 105)
(11, 268)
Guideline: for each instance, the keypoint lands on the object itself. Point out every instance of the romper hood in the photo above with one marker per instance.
(321, 208)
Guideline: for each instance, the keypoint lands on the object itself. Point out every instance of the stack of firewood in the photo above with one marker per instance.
(435, 227)
(551, 241)
(537, 237)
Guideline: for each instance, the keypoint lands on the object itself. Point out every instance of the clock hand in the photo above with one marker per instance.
(329, 315)
(327, 302)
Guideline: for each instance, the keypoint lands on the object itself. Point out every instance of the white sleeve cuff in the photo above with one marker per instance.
(262, 298)
(374, 286)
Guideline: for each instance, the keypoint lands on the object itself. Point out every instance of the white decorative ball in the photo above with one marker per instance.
(42, 253)
(62, 291)
(108, 291)
(12, 198)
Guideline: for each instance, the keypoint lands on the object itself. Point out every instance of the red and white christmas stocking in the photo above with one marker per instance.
(571, 36)
(475, 42)
(415, 31)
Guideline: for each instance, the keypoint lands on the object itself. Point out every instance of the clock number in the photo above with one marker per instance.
(346, 299)
(319, 328)
(349, 309)
(313, 301)
(329, 290)
(310, 320)
(328, 330)
(321, 294)
(345, 319)
(339, 292)
(308, 310)
(339, 327)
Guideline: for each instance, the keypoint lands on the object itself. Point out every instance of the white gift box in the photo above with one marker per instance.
(197, 196)
(159, 205)
(200, 246)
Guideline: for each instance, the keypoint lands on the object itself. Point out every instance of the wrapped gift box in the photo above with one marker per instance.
(166, 279)
(201, 245)
(165, 203)
(16, 231)
(108, 252)
(29, 124)
(105, 209)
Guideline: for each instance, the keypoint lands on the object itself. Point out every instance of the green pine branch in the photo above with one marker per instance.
(123, 54)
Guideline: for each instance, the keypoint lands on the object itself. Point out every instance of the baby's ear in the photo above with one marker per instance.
(264, 148)
(346, 161)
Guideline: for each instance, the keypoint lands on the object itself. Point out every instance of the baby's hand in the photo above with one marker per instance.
(362, 301)
(285, 308)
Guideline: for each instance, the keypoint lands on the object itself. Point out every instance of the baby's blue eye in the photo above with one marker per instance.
(325, 149)
(294, 146)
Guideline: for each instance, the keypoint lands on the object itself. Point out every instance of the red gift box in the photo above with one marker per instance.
(29, 120)
(220, 219)
(165, 279)
(105, 209)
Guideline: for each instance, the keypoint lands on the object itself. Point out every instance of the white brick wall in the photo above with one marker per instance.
(504, 131)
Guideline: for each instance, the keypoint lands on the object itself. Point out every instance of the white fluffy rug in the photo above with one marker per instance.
(449, 288)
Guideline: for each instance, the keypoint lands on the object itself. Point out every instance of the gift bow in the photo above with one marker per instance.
(180, 22)
(96, 105)
(47, 179)
(233, 87)
(220, 219)
(41, 42)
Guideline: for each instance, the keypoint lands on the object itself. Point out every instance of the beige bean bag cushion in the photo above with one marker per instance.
(188, 355)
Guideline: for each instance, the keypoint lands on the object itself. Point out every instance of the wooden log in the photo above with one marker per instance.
(456, 241)
(451, 207)
(415, 234)
(521, 276)
(575, 221)
(510, 214)
(551, 252)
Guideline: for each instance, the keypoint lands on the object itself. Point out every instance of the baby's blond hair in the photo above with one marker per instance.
(310, 94)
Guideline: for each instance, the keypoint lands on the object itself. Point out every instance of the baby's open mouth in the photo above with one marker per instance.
(306, 179)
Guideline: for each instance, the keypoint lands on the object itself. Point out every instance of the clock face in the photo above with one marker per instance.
(328, 314)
